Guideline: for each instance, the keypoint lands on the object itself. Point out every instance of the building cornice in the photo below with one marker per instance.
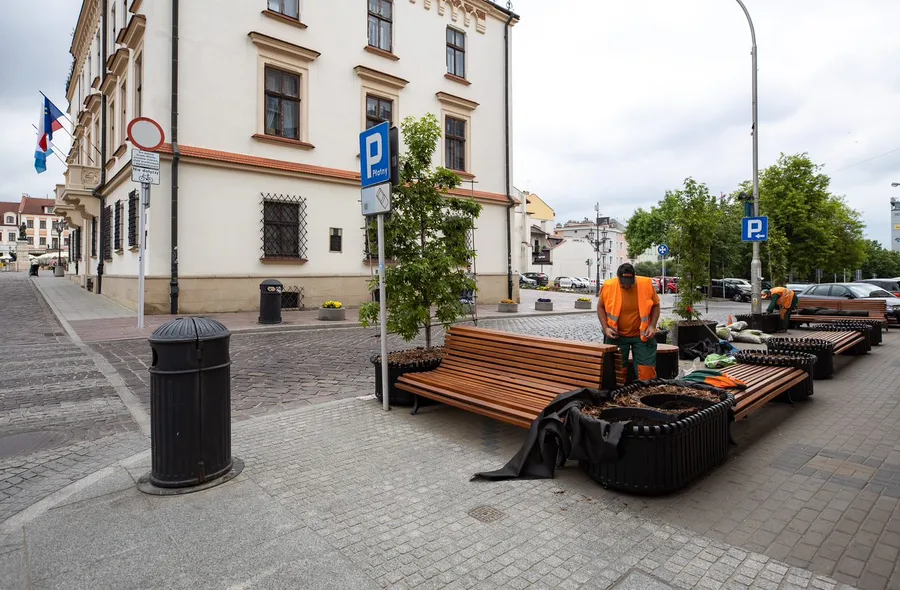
(478, 10)
(380, 77)
(256, 164)
(273, 44)
(88, 21)
(134, 34)
(456, 101)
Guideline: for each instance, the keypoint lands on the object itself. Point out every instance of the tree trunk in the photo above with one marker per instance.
(428, 333)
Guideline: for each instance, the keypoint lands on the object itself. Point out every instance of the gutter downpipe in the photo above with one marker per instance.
(104, 40)
(176, 156)
(512, 203)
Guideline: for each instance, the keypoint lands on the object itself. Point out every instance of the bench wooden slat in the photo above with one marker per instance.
(763, 384)
(512, 377)
(842, 341)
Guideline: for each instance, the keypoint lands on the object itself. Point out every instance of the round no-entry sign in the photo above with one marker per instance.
(145, 134)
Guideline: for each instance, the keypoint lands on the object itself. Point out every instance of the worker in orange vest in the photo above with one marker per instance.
(628, 311)
(785, 299)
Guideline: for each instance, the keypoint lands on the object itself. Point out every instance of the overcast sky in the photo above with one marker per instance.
(615, 101)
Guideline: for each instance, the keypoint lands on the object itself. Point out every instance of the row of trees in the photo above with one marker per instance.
(809, 228)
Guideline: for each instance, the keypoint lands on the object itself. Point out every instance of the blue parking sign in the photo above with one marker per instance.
(754, 229)
(375, 155)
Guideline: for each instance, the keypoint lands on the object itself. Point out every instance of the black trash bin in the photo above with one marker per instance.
(270, 301)
(190, 403)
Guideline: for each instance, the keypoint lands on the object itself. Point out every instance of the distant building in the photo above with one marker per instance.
(39, 219)
(578, 247)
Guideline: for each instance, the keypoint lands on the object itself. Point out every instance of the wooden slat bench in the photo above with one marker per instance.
(843, 341)
(763, 385)
(875, 308)
(512, 377)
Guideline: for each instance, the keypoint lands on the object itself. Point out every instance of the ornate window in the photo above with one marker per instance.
(284, 227)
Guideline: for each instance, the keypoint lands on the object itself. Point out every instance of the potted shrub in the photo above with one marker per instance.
(427, 236)
(543, 304)
(332, 311)
(583, 303)
(508, 306)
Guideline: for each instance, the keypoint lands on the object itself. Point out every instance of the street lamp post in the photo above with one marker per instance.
(59, 226)
(755, 266)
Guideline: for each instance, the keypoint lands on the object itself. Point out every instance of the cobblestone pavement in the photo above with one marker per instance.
(59, 418)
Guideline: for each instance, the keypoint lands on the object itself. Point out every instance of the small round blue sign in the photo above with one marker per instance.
(662, 249)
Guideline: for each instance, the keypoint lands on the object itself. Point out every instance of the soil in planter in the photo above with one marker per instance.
(412, 356)
(633, 400)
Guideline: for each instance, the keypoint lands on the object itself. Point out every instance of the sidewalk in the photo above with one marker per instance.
(82, 310)
(345, 495)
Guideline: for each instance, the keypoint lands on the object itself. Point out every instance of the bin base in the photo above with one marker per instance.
(145, 486)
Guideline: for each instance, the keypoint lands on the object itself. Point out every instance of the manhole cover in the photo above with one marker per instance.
(486, 514)
(25, 443)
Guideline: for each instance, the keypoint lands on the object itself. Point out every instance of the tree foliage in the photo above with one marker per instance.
(427, 236)
(880, 263)
(691, 232)
(819, 229)
(648, 269)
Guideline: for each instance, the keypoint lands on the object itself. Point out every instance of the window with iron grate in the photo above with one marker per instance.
(93, 237)
(76, 244)
(132, 218)
(106, 232)
(117, 231)
(283, 227)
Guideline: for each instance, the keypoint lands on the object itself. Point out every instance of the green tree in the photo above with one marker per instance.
(880, 263)
(648, 269)
(691, 232)
(810, 227)
(648, 228)
(427, 236)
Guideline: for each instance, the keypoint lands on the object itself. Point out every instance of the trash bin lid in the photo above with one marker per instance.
(189, 330)
(271, 283)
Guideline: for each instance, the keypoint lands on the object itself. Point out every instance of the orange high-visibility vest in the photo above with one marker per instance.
(785, 300)
(612, 301)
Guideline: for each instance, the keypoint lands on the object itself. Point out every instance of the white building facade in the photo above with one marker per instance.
(262, 179)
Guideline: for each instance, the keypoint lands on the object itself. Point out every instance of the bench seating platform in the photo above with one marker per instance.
(876, 310)
(513, 377)
(848, 341)
(764, 383)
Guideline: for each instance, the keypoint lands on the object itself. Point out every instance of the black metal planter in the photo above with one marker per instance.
(768, 322)
(799, 360)
(398, 397)
(691, 332)
(821, 349)
(653, 460)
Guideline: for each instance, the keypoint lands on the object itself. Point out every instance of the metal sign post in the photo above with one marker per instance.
(663, 251)
(375, 162)
(142, 247)
(147, 135)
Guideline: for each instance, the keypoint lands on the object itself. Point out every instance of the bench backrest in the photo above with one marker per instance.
(875, 307)
(534, 358)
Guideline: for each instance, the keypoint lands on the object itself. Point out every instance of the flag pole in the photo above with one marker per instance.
(95, 148)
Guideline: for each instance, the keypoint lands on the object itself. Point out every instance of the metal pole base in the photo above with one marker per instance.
(145, 486)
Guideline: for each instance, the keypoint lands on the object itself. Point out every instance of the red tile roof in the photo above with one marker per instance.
(34, 206)
(6, 207)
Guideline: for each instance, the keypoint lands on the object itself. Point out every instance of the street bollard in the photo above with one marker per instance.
(270, 301)
(190, 403)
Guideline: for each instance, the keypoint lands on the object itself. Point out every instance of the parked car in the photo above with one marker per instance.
(892, 285)
(736, 290)
(798, 288)
(527, 282)
(854, 291)
(581, 283)
(540, 278)
(566, 283)
(657, 283)
(671, 284)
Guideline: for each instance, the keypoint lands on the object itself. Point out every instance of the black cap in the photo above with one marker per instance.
(626, 274)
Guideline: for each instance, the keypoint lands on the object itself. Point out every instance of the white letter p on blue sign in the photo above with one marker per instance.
(373, 157)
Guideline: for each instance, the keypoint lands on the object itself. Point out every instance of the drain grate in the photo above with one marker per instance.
(25, 443)
(486, 514)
